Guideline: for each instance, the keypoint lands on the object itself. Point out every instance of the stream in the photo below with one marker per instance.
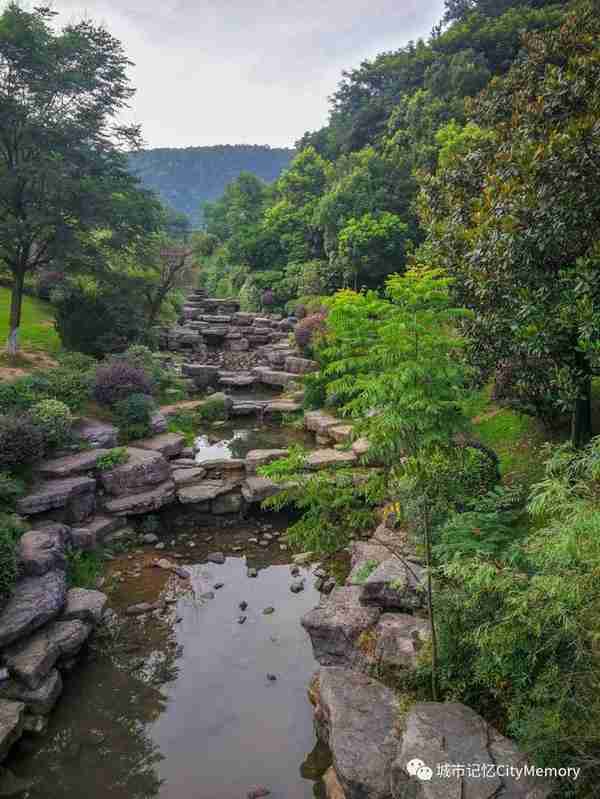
(186, 702)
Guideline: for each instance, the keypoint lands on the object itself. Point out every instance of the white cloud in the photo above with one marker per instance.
(225, 73)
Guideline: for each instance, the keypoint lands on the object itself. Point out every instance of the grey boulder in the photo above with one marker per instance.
(35, 601)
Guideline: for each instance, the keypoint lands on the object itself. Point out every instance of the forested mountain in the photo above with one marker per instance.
(186, 177)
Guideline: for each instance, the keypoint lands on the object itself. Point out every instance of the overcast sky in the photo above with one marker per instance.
(210, 72)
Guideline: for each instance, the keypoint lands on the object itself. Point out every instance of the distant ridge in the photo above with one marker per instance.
(186, 177)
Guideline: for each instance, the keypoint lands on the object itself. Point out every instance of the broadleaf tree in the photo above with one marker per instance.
(66, 196)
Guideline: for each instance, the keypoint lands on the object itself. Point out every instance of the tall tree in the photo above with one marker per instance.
(65, 192)
(514, 214)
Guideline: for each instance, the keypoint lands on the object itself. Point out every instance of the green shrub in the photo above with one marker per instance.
(84, 569)
(114, 457)
(11, 489)
(98, 323)
(70, 384)
(185, 423)
(133, 415)
(76, 361)
(55, 419)
(212, 410)
(11, 530)
(365, 571)
(17, 395)
(118, 380)
(21, 441)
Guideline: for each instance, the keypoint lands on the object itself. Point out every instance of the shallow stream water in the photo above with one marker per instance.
(177, 704)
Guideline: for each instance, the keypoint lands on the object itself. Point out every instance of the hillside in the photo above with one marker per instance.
(186, 177)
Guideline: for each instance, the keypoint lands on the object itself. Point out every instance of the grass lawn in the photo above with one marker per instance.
(37, 324)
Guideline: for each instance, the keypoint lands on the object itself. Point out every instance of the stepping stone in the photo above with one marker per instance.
(35, 601)
(169, 445)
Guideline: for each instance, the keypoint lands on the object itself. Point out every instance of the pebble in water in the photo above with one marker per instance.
(242, 619)
(297, 586)
(271, 677)
(258, 792)
(252, 572)
(243, 605)
(218, 585)
(268, 611)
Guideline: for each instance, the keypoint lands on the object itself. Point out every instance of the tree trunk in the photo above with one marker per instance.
(16, 302)
(434, 648)
(581, 419)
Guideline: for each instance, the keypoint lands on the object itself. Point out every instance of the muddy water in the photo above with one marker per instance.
(177, 704)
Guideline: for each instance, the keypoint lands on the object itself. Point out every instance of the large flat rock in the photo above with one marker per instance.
(319, 421)
(169, 445)
(38, 701)
(30, 660)
(329, 459)
(43, 550)
(451, 733)
(71, 465)
(282, 406)
(187, 476)
(54, 494)
(399, 637)
(96, 433)
(144, 501)
(12, 719)
(395, 585)
(84, 604)
(257, 489)
(300, 366)
(205, 491)
(336, 625)
(271, 377)
(358, 718)
(35, 601)
(143, 469)
(262, 457)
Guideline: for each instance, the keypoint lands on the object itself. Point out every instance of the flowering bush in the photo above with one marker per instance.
(119, 379)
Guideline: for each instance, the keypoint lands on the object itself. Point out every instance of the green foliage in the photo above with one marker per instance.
(114, 457)
(76, 361)
(188, 177)
(55, 419)
(84, 569)
(11, 489)
(99, 320)
(11, 529)
(518, 621)
(185, 423)
(37, 323)
(335, 505)
(67, 384)
(133, 415)
(487, 526)
(21, 441)
(512, 215)
(64, 171)
(212, 409)
(367, 568)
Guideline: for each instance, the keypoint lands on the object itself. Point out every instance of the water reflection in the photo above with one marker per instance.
(178, 705)
(236, 442)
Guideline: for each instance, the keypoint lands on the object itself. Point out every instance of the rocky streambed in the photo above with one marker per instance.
(197, 683)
